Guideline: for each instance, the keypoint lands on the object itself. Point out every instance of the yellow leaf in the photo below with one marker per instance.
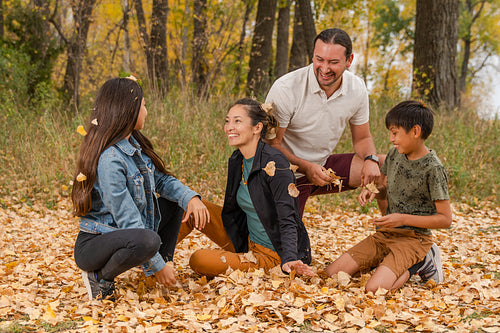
(11, 264)
(67, 289)
(49, 312)
(81, 130)
(123, 318)
(203, 317)
(87, 318)
(294, 167)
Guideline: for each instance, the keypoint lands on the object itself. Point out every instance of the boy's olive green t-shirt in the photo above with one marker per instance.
(413, 186)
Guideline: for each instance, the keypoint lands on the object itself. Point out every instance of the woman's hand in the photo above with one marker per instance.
(198, 211)
(166, 276)
(299, 267)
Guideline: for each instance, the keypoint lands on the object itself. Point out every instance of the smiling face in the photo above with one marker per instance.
(141, 118)
(329, 63)
(239, 129)
(404, 142)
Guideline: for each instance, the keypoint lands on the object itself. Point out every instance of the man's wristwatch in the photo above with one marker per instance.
(373, 158)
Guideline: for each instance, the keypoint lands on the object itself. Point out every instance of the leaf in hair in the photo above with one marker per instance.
(81, 177)
(268, 107)
(271, 133)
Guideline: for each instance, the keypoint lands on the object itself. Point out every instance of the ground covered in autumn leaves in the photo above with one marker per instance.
(41, 288)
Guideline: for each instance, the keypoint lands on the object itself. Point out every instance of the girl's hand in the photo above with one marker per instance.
(166, 276)
(365, 197)
(198, 211)
(299, 267)
(389, 221)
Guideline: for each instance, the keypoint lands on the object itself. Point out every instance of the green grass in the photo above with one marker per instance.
(39, 146)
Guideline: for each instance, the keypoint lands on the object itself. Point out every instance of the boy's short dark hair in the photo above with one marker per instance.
(410, 113)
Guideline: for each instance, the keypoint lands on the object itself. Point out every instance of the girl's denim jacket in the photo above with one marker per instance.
(124, 194)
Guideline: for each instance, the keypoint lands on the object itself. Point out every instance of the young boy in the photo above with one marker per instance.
(414, 185)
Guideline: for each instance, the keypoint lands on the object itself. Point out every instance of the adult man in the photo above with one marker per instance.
(314, 104)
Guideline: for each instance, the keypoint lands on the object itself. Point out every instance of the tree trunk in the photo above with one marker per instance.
(184, 48)
(158, 45)
(260, 55)
(200, 41)
(308, 27)
(77, 45)
(435, 76)
(281, 63)
(467, 39)
(241, 46)
(1, 20)
(127, 58)
(298, 53)
(141, 22)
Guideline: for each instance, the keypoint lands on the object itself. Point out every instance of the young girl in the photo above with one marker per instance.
(259, 214)
(123, 223)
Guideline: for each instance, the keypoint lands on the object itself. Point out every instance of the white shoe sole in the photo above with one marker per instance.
(86, 283)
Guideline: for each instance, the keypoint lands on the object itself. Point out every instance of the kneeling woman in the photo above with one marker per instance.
(259, 215)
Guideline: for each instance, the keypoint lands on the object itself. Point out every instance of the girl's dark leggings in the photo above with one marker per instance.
(115, 252)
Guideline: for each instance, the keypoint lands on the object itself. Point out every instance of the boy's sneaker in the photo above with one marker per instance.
(432, 268)
(100, 290)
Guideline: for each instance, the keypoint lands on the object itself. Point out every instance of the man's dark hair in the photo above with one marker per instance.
(410, 113)
(336, 36)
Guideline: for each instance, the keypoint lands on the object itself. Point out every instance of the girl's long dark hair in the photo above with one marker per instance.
(113, 118)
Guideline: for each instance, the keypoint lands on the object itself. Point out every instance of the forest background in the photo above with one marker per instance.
(195, 58)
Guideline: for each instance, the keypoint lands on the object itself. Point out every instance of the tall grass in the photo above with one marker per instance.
(39, 147)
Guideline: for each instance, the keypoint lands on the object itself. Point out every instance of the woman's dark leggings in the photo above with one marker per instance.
(115, 252)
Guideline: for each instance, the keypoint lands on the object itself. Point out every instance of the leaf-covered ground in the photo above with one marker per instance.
(41, 288)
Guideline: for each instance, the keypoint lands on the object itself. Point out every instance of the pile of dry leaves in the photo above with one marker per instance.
(41, 288)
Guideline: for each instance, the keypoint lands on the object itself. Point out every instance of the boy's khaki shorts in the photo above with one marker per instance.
(396, 248)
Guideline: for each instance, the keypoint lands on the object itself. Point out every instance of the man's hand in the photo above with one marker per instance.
(166, 276)
(198, 211)
(370, 172)
(316, 175)
(299, 267)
